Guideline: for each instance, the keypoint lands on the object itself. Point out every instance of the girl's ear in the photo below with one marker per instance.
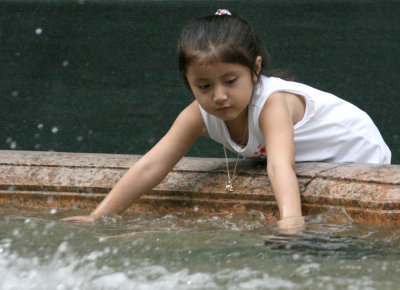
(257, 69)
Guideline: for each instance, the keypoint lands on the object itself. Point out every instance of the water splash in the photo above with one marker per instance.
(190, 251)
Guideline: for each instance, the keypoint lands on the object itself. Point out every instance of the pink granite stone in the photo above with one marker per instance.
(365, 192)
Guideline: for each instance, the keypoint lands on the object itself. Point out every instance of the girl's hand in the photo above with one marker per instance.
(291, 225)
(80, 219)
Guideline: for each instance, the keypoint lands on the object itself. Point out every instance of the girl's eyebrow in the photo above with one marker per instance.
(234, 72)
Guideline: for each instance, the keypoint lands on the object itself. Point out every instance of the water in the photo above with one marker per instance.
(187, 251)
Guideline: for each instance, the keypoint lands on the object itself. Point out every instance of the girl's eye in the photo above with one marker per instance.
(203, 87)
(231, 81)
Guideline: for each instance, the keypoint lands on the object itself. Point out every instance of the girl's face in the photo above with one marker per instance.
(222, 89)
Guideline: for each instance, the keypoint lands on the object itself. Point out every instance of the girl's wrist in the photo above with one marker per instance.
(295, 217)
(93, 215)
(292, 221)
(292, 224)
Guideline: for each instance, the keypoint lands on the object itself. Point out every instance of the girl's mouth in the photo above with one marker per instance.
(221, 109)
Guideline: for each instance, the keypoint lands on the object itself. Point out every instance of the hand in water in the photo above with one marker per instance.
(291, 225)
(80, 219)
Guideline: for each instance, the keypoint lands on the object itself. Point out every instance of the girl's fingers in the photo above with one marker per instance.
(78, 219)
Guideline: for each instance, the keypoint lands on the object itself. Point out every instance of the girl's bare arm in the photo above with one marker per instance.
(151, 169)
(276, 123)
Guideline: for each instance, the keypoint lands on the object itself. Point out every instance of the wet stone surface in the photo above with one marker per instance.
(76, 180)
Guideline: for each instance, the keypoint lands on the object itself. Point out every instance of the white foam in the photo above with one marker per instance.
(68, 271)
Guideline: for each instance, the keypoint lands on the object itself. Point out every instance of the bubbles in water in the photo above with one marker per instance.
(296, 257)
(61, 287)
(53, 211)
(63, 247)
(39, 31)
(79, 139)
(65, 63)
(54, 130)
(307, 269)
(16, 233)
(15, 93)
(40, 126)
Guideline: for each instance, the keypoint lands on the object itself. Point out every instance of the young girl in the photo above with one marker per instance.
(242, 105)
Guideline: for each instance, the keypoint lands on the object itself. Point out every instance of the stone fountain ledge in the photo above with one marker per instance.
(364, 192)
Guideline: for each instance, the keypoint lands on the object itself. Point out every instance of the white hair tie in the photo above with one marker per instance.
(223, 12)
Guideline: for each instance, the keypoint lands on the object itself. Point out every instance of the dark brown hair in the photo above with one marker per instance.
(226, 38)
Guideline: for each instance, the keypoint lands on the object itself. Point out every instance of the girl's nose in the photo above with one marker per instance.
(220, 95)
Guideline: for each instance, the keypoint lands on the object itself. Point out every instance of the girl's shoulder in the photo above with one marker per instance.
(270, 85)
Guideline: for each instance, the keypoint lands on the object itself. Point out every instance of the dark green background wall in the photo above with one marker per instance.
(101, 76)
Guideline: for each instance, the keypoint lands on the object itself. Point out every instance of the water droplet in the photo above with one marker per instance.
(38, 31)
(54, 130)
(53, 211)
(13, 145)
(40, 126)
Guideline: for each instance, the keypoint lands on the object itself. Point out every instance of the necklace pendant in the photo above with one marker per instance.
(229, 187)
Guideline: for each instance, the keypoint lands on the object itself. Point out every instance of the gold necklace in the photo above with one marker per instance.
(229, 186)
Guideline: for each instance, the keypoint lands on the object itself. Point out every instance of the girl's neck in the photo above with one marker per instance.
(238, 128)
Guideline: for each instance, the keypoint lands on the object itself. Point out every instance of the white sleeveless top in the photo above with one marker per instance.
(332, 130)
